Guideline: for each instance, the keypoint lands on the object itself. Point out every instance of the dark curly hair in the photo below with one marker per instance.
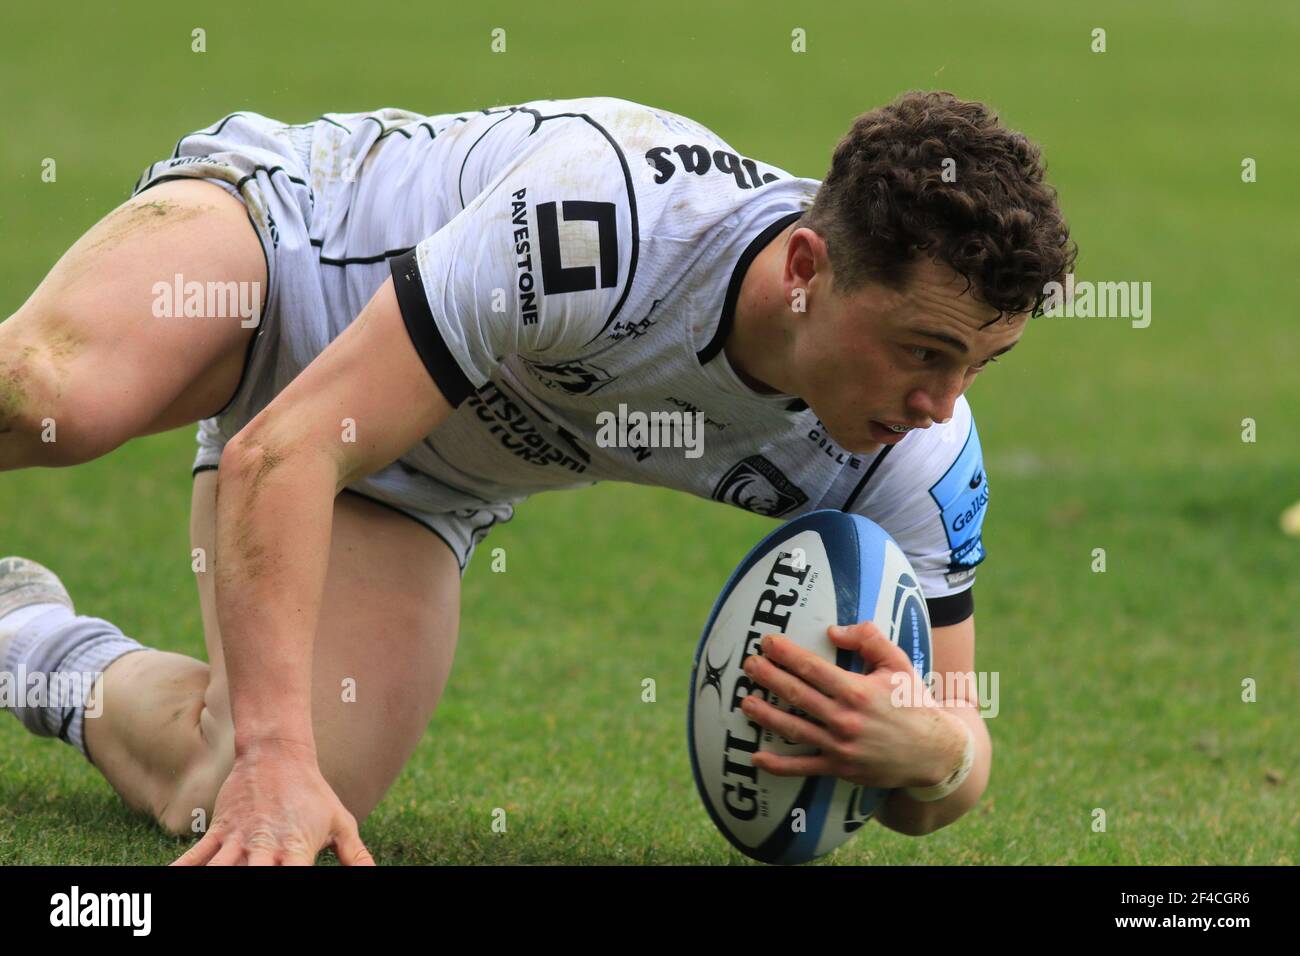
(885, 199)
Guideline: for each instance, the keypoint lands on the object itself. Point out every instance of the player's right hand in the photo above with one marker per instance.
(275, 809)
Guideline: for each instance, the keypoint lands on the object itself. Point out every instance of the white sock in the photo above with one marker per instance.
(66, 653)
(14, 621)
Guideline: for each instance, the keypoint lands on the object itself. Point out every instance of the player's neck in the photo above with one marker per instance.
(760, 337)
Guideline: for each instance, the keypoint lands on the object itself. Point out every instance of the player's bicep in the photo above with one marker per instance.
(365, 399)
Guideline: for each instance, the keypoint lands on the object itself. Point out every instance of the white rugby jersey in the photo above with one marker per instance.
(583, 257)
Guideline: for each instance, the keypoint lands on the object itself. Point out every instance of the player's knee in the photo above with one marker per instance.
(188, 808)
(25, 406)
(49, 416)
(71, 430)
(188, 811)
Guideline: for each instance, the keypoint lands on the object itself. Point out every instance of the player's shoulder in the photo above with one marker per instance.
(598, 205)
(683, 177)
(633, 126)
(600, 129)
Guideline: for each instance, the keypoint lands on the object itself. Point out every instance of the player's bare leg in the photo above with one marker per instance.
(87, 353)
(85, 365)
(383, 654)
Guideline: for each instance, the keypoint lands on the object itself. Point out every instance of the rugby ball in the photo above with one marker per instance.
(823, 568)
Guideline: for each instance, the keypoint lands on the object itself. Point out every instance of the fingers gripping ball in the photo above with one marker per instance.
(823, 568)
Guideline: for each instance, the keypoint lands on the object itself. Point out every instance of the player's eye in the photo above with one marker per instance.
(982, 365)
(922, 354)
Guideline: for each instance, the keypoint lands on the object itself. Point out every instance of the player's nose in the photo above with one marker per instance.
(936, 403)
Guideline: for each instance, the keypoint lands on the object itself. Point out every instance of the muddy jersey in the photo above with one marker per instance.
(574, 279)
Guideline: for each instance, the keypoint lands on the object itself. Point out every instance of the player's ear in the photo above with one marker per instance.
(804, 248)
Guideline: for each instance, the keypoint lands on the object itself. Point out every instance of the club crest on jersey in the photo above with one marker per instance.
(573, 378)
(757, 485)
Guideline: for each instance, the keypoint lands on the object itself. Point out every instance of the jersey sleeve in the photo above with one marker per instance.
(535, 264)
(932, 495)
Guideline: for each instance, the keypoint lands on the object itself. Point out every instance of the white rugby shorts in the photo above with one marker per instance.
(267, 165)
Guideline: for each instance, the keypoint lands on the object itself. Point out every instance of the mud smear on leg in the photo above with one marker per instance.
(135, 220)
(57, 348)
(13, 391)
(140, 218)
(61, 348)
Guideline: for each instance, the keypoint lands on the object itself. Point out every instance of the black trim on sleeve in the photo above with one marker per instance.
(952, 609)
(414, 305)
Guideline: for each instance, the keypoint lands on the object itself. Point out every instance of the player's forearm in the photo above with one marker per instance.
(917, 818)
(274, 510)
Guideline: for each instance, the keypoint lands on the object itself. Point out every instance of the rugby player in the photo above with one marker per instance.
(447, 303)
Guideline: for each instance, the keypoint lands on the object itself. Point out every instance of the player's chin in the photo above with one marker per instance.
(857, 441)
(852, 433)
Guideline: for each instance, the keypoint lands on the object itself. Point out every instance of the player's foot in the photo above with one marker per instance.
(25, 583)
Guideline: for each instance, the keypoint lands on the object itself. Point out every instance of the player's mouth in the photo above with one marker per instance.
(888, 434)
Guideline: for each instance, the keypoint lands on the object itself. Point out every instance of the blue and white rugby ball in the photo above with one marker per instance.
(823, 568)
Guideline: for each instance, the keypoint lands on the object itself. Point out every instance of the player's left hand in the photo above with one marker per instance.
(855, 720)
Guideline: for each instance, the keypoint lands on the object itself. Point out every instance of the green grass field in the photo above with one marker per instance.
(1119, 690)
